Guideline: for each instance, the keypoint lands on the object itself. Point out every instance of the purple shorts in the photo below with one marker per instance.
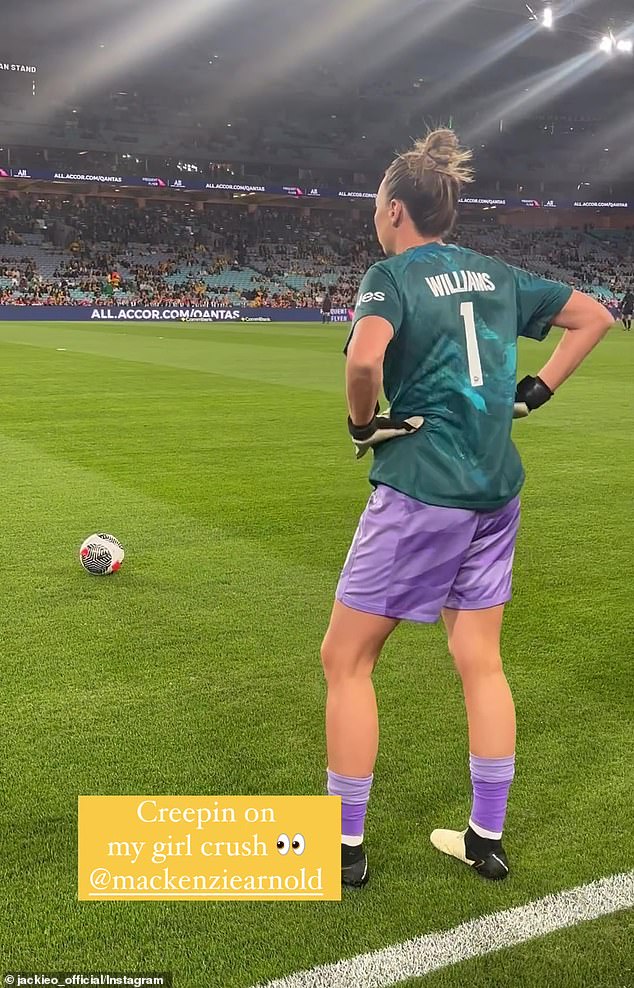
(408, 560)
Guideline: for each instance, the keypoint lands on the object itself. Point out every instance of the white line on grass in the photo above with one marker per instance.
(424, 954)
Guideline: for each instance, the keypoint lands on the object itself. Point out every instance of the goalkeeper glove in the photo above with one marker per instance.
(531, 394)
(380, 429)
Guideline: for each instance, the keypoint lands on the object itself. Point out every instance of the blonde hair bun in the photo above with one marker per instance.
(440, 152)
(428, 179)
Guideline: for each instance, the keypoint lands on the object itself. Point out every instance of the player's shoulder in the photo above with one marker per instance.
(392, 268)
(431, 253)
(382, 276)
(478, 257)
(383, 267)
(396, 266)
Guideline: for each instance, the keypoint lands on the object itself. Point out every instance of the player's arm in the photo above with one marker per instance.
(586, 322)
(377, 320)
(364, 367)
(542, 304)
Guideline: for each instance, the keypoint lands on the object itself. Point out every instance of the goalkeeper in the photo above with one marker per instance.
(437, 326)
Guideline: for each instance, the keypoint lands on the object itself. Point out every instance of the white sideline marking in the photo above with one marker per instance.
(422, 955)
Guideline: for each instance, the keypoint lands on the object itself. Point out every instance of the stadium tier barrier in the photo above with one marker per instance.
(89, 313)
(296, 192)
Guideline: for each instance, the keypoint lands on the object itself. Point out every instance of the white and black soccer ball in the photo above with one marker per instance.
(101, 555)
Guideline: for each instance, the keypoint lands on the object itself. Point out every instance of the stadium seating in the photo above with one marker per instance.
(65, 252)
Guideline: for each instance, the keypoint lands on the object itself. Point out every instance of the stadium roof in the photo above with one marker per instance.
(223, 53)
(39, 23)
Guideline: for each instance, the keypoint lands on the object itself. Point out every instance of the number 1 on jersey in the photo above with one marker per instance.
(473, 353)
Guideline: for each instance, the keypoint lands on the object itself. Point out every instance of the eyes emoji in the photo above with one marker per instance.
(297, 843)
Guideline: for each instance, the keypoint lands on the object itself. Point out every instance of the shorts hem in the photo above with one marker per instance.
(366, 609)
(481, 605)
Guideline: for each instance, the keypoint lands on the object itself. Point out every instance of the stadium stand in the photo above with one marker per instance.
(53, 251)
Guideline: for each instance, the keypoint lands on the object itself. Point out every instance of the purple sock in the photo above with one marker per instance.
(355, 794)
(491, 779)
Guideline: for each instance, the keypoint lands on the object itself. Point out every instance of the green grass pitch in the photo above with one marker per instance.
(219, 456)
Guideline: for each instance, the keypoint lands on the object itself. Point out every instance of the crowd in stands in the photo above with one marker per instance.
(99, 251)
(587, 261)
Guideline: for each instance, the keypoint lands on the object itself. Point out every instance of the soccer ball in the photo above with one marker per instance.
(101, 555)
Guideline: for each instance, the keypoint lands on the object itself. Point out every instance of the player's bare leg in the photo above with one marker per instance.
(349, 654)
(474, 642)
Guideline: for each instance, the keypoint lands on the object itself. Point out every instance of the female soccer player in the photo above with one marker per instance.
(437, 325)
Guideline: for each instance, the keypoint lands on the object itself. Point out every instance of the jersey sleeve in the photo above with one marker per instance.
(378, 296)
(539, 300)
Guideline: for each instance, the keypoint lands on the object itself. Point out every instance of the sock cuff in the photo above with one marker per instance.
(352, 841)
(351, 790)
(492, 769)
(483, 832)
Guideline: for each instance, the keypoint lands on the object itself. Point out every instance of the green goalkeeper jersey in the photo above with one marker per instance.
(456, 316)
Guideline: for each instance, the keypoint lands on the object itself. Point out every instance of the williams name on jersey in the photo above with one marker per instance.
(455, 282)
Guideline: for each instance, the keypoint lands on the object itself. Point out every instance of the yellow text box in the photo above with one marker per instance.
(210, 847)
